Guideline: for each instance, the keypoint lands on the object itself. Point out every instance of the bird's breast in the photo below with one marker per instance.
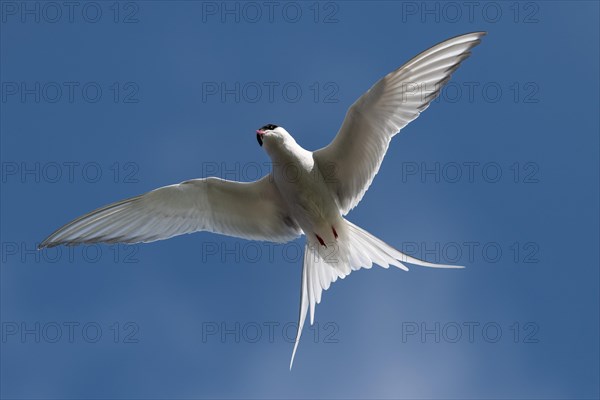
(306, 193)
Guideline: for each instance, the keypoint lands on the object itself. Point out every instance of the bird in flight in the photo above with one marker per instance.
(306, 193)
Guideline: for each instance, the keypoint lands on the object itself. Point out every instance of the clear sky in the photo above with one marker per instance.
(103, 100)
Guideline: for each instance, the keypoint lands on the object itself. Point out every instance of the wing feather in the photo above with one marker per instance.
(253, 210)
(353, 158)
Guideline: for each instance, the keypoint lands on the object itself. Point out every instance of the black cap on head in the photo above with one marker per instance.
(259, 134)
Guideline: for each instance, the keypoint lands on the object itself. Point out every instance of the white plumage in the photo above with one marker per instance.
(328, 183)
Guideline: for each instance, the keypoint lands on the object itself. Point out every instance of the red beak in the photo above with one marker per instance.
(259, 135)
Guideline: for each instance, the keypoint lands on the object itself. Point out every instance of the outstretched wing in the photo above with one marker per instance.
(353, 158)
(253, 210)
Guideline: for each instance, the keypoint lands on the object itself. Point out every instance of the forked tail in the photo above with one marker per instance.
(354, 249)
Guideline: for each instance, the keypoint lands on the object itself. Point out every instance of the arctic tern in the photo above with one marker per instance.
(312, 200)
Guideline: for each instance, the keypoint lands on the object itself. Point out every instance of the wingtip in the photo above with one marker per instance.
(474, 37)
(48, 243)
(476, 33)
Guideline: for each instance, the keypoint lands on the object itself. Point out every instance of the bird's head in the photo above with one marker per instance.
(272, 136)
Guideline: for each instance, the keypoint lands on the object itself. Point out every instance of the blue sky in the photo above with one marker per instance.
(107, 100)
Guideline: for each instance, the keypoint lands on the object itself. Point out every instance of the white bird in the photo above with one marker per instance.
(306, 193)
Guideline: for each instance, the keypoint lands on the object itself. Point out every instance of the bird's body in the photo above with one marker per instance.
(306, 193)
(304, 190)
